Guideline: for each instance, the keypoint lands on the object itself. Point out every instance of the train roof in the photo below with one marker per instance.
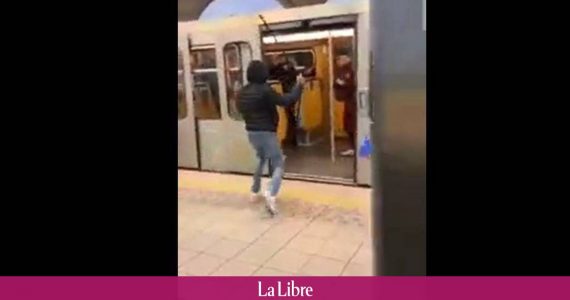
(279, 16)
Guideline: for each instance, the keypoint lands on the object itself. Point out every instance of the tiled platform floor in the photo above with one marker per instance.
(221, 233)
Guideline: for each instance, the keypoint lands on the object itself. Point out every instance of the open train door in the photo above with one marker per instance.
(187, 148)
(223, 142)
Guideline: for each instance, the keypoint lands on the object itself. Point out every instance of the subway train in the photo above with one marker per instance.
(212, 61)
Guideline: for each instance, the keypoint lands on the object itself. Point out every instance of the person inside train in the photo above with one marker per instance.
(284, 71)
(345, 91)
(257, 103)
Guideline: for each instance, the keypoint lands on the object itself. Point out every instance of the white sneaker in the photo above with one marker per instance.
(270, 202)
(349, 152)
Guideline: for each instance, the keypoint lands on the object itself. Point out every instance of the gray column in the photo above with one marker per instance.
(398, 95)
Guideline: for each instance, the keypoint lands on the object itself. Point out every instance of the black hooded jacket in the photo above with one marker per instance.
(286, 74)
(257, 100)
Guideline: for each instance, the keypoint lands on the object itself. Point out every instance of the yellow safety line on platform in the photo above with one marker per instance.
(287, 193)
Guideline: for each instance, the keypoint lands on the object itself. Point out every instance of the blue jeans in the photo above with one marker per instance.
(267, 149)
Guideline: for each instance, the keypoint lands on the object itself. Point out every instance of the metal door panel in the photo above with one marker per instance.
(363, 164)
(224, 145)
(187, 146)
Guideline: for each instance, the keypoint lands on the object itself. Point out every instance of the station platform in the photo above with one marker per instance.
(321, 229)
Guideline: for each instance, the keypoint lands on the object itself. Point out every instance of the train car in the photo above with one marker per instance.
(213, 57)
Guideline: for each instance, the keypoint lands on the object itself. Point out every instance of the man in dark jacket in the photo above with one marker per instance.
(257, 103)
(285, 72)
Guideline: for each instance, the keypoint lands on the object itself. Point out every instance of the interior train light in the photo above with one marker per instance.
(307, 36)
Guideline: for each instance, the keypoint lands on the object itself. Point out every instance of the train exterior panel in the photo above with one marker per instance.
(215, 54)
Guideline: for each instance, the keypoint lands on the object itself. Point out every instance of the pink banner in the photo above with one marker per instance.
(330, 288)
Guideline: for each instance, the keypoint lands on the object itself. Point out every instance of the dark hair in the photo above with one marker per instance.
(257, 72)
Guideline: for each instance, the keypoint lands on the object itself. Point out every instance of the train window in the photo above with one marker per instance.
(182, 105)
(203, 58)
(205, 89)
(236, 57)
